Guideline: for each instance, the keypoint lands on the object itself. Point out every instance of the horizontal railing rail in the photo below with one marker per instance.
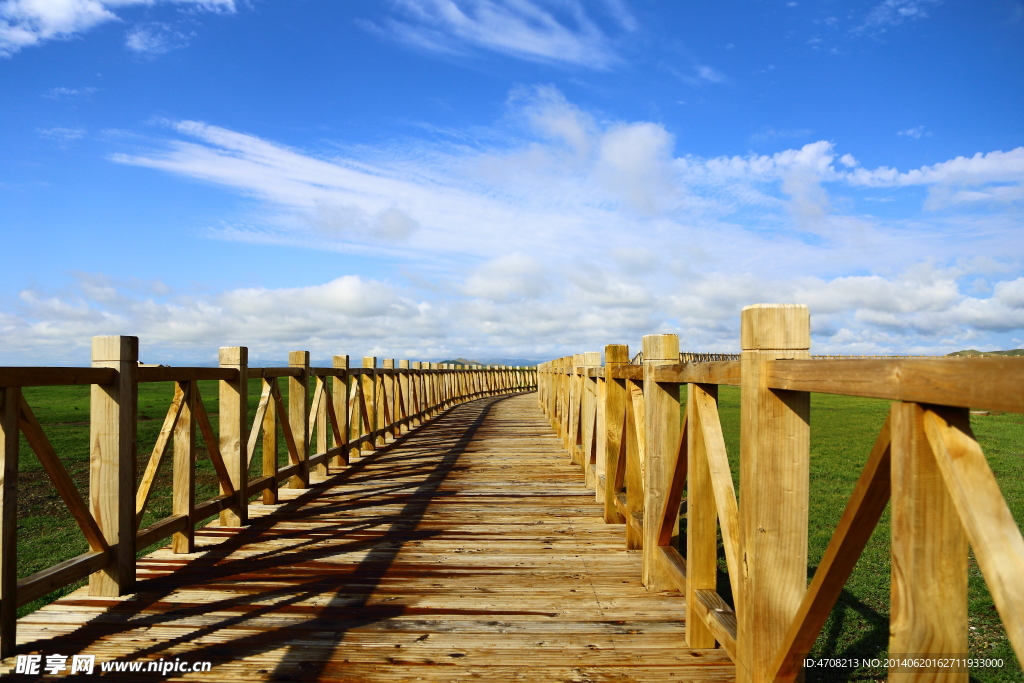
(622, 423)
(327, 416)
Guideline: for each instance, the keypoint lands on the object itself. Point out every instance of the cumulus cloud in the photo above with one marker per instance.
(528, 29)
(24, 23)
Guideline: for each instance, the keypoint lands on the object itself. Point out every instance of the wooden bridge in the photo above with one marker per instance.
(435, 523)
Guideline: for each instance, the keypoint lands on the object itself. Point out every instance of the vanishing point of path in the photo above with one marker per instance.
(469, 550)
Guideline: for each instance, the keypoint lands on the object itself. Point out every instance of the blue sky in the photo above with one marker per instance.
(507, 178)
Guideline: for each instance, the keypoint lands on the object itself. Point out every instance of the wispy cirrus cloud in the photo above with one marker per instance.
(557, 33)
(893, 13)
(24, 23)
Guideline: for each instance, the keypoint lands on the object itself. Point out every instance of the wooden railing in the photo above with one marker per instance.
(621, 422)
(351, 410)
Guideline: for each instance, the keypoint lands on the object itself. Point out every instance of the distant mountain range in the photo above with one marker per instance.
(972, 352)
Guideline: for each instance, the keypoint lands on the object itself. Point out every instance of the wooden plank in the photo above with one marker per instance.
(160, 530)
(269, 461)
(721, 480)
(719, 618)
(257, 423)
(980, 383)
(863, 510)
(712, 372)
(272, 373)
(162, 374)
(213, 506)
(260, 484)
(661, 445)
(298, 416)
(60, 478)
(986, 518)
(630, 372)
(233, 402)
(674, 497)
(701, 518)
(338, 408)
(10, 409)
(46, 581)
(774, 486)
(49, 377)
(212, 448)
(155, 458)
(183, 478)
(929, 551)
(113, 416)
(368, 401)
(674, 566)
(288, 471)
(286, 430)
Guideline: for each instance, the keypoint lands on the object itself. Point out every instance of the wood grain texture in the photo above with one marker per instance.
(156, 457)
(298, 416)
(469, 550)
(775, 448)
(980, 383)
(929, 552)
(864, 508)
(661, 445)
(615, 402)
(701, 523)
(183, 478)
(112, 456)
(47, 377)
(987, 520)
(10, 408)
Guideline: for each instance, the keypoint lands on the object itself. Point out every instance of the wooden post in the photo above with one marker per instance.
(183, 481)
(270, 450)
(661, 440)
(701, 520)
(339, 395)
(588, 418)
(234, 431)
(415, 400)
(10, 401)
(615, 407)
(389, 382)
(929, 553)
(774, 481)
(298, 416)
(322, 382)
(112, 441)
(403, 406)
(381, 395)
(369, 385)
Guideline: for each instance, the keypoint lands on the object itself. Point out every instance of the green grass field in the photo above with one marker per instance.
(843, 430)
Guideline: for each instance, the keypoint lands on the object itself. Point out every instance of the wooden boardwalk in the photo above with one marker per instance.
(469, 550)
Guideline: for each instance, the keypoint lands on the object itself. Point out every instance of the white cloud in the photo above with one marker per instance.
(60, 134)
(154, 38)
(61, 93)
(567, 232)
(24, 23)
(917, 132)
(528, 29)
(893, 13)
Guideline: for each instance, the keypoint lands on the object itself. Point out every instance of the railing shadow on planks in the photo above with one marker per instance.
(347, 410)
(621, 423)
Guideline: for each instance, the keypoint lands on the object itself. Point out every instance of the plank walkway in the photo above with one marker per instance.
(469, 550)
